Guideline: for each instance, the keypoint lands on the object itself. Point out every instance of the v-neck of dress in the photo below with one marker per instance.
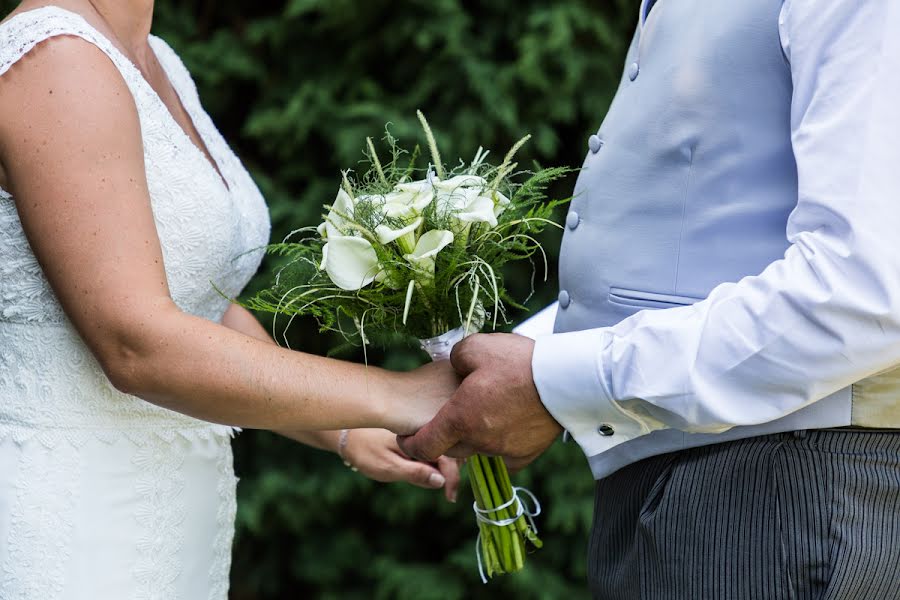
(205, 153)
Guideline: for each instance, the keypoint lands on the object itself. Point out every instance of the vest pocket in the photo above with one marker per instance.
(626, 297)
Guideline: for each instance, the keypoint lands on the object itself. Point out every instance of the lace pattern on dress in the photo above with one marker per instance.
(53, 389)
(40, 526)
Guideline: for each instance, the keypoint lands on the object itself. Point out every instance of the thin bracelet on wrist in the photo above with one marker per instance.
(342, 446)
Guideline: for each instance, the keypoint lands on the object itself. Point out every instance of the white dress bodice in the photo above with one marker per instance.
(103, 495)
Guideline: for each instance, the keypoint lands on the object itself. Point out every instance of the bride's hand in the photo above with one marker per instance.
(375, 454)
(418, 395)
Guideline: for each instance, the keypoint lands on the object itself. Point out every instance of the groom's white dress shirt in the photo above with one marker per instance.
(778, 350)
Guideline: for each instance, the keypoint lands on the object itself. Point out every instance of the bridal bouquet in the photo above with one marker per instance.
(419, 251)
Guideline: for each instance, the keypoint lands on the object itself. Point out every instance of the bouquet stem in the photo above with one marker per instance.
(504, 523)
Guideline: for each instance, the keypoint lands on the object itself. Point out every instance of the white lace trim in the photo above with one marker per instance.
(219, 572)
(160, 516)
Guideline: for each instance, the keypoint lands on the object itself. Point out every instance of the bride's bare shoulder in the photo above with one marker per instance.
(58, 96)
(54, 48)
(74, 69)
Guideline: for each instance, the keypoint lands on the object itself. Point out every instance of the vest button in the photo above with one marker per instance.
(633, 70)
(572, 220)
(595, 143)
(606, 430)
(564, 299)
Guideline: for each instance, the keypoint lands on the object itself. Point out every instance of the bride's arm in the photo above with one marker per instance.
(241, 320)
(374, 452)
(70, 142)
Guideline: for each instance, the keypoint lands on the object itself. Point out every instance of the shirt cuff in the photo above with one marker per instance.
(572, 380)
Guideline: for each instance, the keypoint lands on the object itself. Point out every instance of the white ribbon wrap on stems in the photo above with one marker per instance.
(521, 509)
(439, 348)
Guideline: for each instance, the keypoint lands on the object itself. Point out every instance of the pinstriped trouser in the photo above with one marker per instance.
(800, 516)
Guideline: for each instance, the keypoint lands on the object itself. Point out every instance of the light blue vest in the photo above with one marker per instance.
(690, 179)
(688, 184)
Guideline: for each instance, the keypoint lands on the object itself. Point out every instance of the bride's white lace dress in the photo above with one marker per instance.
(103, 495)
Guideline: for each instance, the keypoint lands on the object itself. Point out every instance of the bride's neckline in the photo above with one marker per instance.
(204, 151)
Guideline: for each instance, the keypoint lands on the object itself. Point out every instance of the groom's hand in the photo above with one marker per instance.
(496, 410)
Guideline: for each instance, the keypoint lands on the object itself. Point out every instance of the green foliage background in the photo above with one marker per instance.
(296, 86)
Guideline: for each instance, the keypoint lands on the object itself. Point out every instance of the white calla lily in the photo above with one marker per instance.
(420, 185)
(460, 181)
(500, 203)
(427, 248)
(342, 207)
(456, 199)
(405, 236)
(350, 262)
(408, 199)
(468, 205)
(479, 209)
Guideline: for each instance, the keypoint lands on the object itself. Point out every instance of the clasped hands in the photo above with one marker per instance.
(484, 401)
(495, 411)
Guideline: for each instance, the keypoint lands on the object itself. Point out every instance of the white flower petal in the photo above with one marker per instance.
(500, 203)
(461, 181)
(432, 242)
(408, 199)
(421, 201)
(456, 200)
(343, 201)
(324, 257)
(350, 262)
(480, 210)
(422, 185)
(428, 247)
(398, 210)
(342, 207)
(386, 235)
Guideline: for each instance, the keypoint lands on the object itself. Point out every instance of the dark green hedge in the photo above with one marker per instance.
(296, 86)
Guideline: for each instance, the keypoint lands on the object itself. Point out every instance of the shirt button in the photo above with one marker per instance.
(633, 70)
(606, 430)
(595, 143)
(572, 220)
(564, 299)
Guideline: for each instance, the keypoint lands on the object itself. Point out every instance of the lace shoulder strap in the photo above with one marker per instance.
(20, 34)
(173, 65)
